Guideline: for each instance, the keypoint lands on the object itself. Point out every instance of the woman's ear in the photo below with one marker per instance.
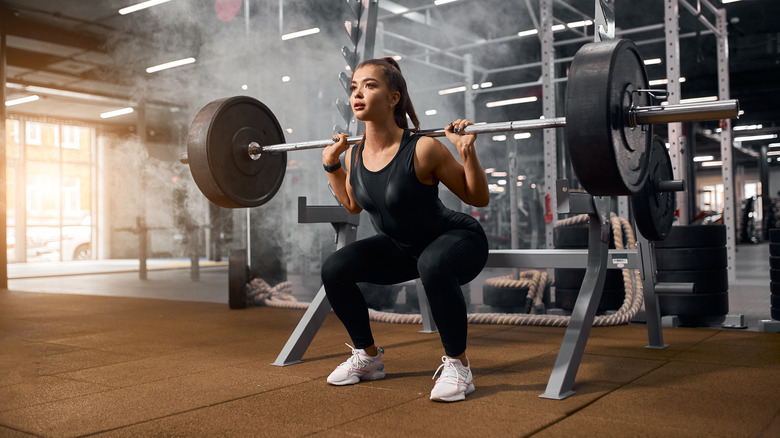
(395, 97)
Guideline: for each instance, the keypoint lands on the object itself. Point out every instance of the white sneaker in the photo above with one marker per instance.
(455, 381)
(358, 367)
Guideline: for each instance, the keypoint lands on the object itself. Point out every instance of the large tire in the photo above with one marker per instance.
(774, 300)
(775, 313)
(774, 287)
(696, 305)
(611, 299)
(691, 259)
(774, 249)
(694, 236)
(774, 235)
(706, 281)
(774, 261)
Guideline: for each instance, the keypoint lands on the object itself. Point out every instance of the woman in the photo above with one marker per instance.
(393, 174)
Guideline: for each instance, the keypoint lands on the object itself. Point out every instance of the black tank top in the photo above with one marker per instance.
(400, 206)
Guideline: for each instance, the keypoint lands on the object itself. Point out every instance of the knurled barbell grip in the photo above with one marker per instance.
(686, 112)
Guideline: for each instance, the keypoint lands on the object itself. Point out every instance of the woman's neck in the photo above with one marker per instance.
(381, 136)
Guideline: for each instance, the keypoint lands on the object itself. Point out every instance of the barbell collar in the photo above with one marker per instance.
(675, 185)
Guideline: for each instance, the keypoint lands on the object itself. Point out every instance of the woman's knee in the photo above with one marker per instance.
(333, 268)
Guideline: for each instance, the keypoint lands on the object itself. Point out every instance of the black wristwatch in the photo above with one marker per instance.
(332, 168)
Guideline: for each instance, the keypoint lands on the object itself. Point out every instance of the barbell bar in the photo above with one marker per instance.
(643, 115)
(237, 153)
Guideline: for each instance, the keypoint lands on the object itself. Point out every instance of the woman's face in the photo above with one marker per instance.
(371, 98)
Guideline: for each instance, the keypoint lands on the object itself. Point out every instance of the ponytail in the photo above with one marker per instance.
(396, 82)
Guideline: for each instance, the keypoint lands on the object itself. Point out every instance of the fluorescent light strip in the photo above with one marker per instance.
(747, 127)
(300, 33)
(653, 61)
(522, 135)
(431, 112)
(712, 163)
(443, 2)
(755, 137)
(528, 32)
(774, 145)
(171, 64)
(22, 100)
(703, 158)
(499, 138)
(142, 5)
(119, 112)
(511, 101)
(452, 90)
(583, 23)
(773, 153)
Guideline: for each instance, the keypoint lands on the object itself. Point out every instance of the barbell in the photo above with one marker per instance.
(238, 156)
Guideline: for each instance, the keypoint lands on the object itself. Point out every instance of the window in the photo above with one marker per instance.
(12, 131)
(71, 195)
(71, 137)
(33, 133)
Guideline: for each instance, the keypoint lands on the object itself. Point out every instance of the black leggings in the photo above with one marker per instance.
(454, 258)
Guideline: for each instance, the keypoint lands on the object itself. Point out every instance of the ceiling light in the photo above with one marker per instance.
(729, 1)
(501, 182)
(430, 112)
(498, 174)
(171, 64)
(285, 79)
(774, 145)
(443, 2)
(582, 23)
(528, 32)
(499, 138)
(712, 163)
(747, 127)
(300, 33)
(452, 90)
(522, 135)
(703, 158)
(397, 57)
(558, 27)
(142, 5)
(652, 61)
(511, 101)
(22, 100)
(490, 170)
(755, 137)
(115, 113)
(773, 153)
(245, 87)
(486, 85)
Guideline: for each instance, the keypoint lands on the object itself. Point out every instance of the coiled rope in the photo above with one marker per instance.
(280, 296)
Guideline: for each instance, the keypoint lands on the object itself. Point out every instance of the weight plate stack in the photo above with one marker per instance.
(568, 281)
(694, 254)
(774, 273)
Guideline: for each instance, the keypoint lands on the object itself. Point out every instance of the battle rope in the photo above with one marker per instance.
(261, 293)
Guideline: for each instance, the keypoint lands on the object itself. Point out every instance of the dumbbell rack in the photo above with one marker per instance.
(597, 259)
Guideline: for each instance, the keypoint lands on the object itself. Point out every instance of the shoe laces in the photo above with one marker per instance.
(449, 371)
(357, 360)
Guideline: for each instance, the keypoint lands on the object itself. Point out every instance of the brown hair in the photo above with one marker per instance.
(396, 82)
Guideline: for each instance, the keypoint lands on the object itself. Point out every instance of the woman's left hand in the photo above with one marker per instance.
(463, 142)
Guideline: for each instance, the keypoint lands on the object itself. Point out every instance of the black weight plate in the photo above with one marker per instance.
(775, 313)
(774, 249)
(608, 157)
(571, 278)
(774, 275)
(611, 299)
(694, 236)
(774, 300)
(238, 277)
(706, 281)
(575, 237)
(774, 262)
(774, 287)
(497, 296)
(774, 235)
(694, 305)
(690, 259)
(217, 150)
(654, 210)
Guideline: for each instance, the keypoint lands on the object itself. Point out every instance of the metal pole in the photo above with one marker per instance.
(726, 150)
(676, 150)
(550, 139)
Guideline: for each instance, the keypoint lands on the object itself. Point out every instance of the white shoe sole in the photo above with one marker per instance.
(351, 380)
(456, 397)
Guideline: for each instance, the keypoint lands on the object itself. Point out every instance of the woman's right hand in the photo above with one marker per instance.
(330, 155)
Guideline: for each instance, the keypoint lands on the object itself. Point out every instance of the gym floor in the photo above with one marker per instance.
(108, 354)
